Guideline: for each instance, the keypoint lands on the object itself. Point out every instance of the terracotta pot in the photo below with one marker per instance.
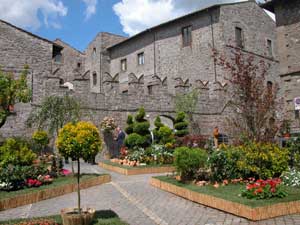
(70, 216)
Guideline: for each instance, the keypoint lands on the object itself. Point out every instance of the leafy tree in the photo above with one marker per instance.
(187, 103)
(254, 100)
(54, 113)
(79, 140)
(181, 125)
(12, 91)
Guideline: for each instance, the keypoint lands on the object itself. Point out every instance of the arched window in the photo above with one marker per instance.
(94, 79)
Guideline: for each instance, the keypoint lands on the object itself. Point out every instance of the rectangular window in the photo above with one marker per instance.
(141, 59)
(270, 47)
(187, 36)
(78, 65)
(239, 37)
(94, 79)
(57, 58)
(123, 65)
(150, 90)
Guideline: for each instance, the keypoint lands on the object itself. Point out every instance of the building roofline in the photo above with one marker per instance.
(269, 5)
(177, 19)
(31, 34)
(70, 46)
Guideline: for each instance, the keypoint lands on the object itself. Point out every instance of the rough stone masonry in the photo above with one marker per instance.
(116, 75)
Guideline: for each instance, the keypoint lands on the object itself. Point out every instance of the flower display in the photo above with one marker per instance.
(108, 124)
(33, 182)
(264, 189)
(291, 178)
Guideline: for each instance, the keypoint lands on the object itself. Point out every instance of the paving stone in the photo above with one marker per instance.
(138, 203)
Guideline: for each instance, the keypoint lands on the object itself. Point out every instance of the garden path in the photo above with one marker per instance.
(138, 203)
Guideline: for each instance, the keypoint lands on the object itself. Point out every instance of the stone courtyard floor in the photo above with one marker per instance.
(138, 203)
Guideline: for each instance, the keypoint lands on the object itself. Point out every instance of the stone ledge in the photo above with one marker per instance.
(41, 195)
(136, 170)
(255, 214)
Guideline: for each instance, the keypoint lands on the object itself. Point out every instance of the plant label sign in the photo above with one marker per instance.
(297, 103)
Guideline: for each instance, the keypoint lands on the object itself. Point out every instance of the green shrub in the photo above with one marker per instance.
(140, 115)
(141, 128)
(263, 160)
(188, 161)
(16, 152)
(140, 136)
(158, 124)
(40, 140)
(129, 128)
(13, 177)
(294, 153)
(135, 140)
(223, 163)
(181, 125)
(166, 135)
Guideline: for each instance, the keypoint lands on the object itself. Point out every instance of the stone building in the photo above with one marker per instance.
(288, 42)
(116, 75)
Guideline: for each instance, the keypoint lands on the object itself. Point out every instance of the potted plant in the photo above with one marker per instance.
(108, 125)
(79, 140)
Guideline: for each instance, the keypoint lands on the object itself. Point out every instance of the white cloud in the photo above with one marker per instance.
(91, 7)
(28, 13)
(138, 15)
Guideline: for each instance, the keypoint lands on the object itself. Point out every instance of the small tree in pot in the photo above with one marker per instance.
(80, 140)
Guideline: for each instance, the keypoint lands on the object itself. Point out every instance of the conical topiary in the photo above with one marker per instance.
(158, 124)
(181, 125)
(129, 128)
(140, 137)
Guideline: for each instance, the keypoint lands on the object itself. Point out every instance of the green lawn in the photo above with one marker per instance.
(105, 217)
(108, 162)
(57, 182)
(232, 193)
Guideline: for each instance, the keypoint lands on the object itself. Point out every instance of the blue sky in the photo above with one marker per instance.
(78, 31)
(78, 21)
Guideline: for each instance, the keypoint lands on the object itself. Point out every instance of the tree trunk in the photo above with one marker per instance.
(78, 185)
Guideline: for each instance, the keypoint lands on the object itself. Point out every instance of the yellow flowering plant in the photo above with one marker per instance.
(79, 140)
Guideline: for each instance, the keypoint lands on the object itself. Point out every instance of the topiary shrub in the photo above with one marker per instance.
(129, 128)
(181, 125)
(166, 135)
(140, 131)
(135, 140)
(188, 161)
(16, 152)
(158, 124)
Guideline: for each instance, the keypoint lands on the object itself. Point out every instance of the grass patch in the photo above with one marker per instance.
(103, 217)
(108, 162)
(56, 183)
(231, 193)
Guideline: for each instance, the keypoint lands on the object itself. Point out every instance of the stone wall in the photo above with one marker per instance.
(72, 64)
(19, 48)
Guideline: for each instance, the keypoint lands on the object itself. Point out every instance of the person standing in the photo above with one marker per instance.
(120, 141)
(216, 137)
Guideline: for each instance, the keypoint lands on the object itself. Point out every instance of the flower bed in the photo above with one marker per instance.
(60, 186)
(228, 198)
(135, 170)
(106, 217)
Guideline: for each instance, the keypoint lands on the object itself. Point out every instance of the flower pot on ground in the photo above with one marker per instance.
(108, 125)
(71, 216)
(80, 140)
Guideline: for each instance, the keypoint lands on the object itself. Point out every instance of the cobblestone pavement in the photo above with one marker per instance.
(138, 203)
